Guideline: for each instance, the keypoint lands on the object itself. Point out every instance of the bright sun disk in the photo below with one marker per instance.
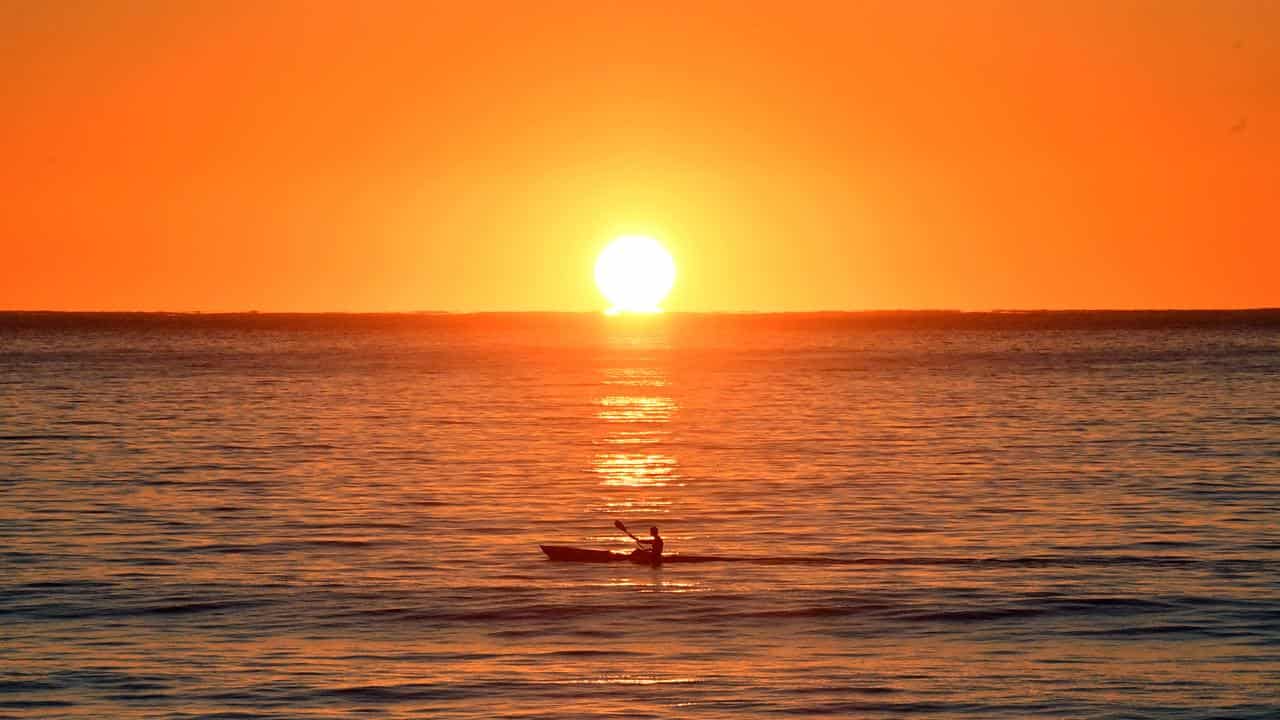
(635, 273)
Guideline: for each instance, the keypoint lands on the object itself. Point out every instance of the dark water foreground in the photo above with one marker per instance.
(934, 515)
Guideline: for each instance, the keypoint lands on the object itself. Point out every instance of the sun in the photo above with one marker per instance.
(635, 273)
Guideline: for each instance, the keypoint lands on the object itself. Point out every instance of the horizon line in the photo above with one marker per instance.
(601, 313)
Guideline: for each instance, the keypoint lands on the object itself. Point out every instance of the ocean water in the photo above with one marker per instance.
(1065, 515)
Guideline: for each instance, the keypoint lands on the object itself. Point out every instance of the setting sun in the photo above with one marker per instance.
(635, 273)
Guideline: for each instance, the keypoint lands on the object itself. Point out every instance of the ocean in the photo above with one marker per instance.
(941, 515)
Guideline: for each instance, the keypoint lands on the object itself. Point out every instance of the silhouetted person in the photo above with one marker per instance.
(654, 551)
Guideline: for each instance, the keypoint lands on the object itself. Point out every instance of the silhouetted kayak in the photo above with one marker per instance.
(572, 554)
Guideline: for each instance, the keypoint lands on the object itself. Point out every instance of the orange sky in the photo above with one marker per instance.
(225, 156)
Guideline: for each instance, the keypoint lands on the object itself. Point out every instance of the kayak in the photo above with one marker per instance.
(573, 554)
(562, 553)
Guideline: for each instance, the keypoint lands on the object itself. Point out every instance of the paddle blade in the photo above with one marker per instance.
(618, 524)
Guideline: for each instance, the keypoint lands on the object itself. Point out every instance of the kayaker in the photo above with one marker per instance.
(655, 546)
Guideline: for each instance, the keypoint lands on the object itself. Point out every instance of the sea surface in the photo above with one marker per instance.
(936, 515)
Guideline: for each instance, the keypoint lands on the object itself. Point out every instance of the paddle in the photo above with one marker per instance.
(618, 524)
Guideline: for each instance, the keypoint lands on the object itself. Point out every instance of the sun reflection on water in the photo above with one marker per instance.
(635, 469)
(653, 585)
(635, 411)
(634, 438)
(633, 507)
(632, 409)
(641, 377)
(629, 680)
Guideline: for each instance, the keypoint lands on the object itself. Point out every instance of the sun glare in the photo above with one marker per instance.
(635, 273)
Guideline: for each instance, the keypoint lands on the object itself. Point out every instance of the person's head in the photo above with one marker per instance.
(654, 531)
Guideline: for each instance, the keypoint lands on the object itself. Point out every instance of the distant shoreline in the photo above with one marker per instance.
(1259, 318)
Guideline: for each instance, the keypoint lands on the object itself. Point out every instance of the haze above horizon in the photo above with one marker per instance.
(294, 157)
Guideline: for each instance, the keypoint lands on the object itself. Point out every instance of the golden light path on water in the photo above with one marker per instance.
(636, 414)
(636, 470)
